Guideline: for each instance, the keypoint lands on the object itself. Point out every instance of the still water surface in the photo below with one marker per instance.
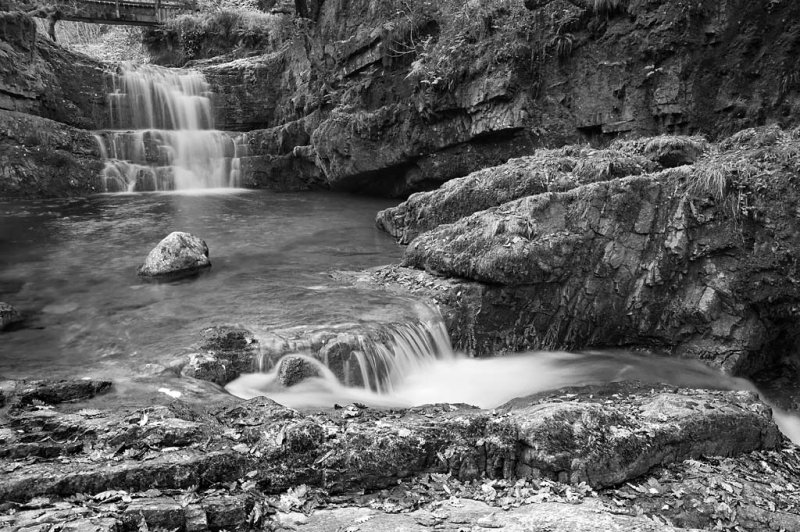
(70, 265)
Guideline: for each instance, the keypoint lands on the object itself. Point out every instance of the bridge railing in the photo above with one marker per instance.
(127, 11)
(167, 4)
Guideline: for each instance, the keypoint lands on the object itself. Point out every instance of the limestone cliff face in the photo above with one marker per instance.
(49, 100)
(44, 158)
(39, 77)
(409, 97)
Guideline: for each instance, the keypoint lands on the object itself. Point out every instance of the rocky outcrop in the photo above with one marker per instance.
(49, 97)
(697, 261)
(43, 158)
(19, 394)
(405, 99)
(39, 77)
(281, 158)
(177, 255)
(547, 171)
(408, 98)
(385, 152)
(262, 92)
(571, 452)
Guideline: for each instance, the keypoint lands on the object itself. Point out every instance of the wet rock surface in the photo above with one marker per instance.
(210, 462)
(294, 369)
(225, 352)
(9, 316)
(178, 255)
(356, 354)
(28, 392)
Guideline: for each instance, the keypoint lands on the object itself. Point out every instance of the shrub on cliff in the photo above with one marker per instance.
(451, 41)
(669, 151)
(223, 30)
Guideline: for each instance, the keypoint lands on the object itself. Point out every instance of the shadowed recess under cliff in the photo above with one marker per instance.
(164, 136)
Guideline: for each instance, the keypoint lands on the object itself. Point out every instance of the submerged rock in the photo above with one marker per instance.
(177, 255)
(226, 352)
(226, 338)
(8, 316)
(26, 392)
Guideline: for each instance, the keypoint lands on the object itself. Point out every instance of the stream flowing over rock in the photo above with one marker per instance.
(178, 255)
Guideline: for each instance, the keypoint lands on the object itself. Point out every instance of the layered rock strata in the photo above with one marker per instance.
(194, 457)
(697, 260)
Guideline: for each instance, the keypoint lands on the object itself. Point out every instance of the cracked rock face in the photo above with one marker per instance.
(546, 171)
(197, 461)
(698, 261)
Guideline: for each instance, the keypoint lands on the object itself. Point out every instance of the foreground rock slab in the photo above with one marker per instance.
(177, 255)
(469, 515)
(619, 457)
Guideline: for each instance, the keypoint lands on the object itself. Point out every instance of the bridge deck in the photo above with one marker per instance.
(125, 12)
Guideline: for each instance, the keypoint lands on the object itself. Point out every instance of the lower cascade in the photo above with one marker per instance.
(163, 136)
(407, 364)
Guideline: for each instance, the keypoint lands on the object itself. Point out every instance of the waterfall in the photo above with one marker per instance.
(163, 135)
(386, 359)
(366, 364)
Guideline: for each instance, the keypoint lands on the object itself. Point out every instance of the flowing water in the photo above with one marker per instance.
(70, 266)
(163, 135)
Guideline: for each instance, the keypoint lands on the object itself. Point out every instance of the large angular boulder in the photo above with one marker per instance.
(547, 171)
(178, 255)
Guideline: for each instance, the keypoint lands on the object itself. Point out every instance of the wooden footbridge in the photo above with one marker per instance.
(124, 12)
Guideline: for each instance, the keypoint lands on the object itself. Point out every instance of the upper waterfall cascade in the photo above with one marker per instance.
(163, 135)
